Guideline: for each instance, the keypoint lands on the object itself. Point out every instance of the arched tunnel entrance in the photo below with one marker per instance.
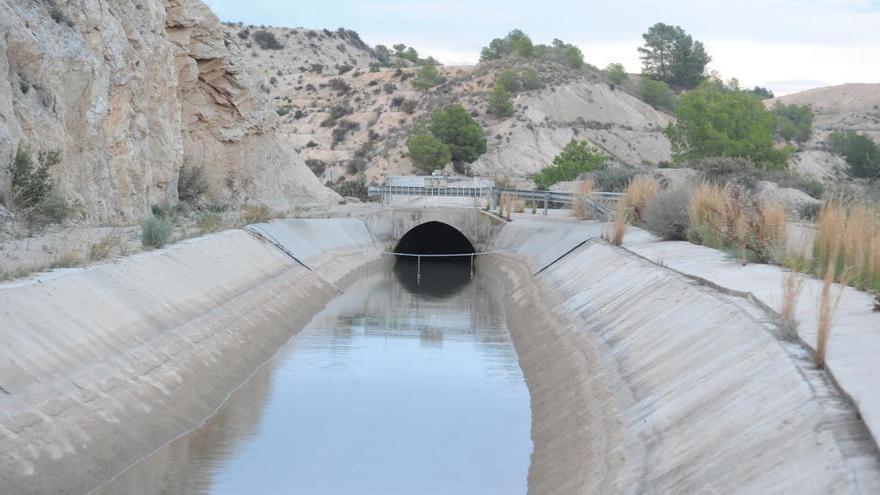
(421, 265)
(434, 238)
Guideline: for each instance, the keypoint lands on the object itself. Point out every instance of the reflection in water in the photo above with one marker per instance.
(440, 277)
(388, 390)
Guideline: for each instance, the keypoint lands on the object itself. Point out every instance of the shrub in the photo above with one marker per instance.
(209, 222)
(427, 153)
(343, 128)
(336, 112)
(508, 80)
(389, 87)
(530, 80)
(861, 153)
(712, 121)
(746, 174)
(256, 214)
(339, 85)
(793, 122)
(848, 240)
(657, 94)
(666, 214)
(266, 40)
(352, 189)
(428, 77)
(33, 192)
(455, 127)
(102, 249)
(409, 106)
(500, 104)
(613, 179)
(616, 74)
(516, 42)
(641, 190)
(191, 183)
(577, 158)
(316, 166)
(156, 231)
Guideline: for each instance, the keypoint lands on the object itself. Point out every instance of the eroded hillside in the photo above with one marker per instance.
(348, 116)
(129, 92)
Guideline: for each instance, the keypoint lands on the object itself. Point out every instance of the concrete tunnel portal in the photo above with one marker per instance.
(434, 238)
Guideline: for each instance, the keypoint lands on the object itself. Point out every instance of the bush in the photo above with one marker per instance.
(657, 94)
(613, 179)
(577, 158)
(389, 87)
(455, 127)
(745, 174)
(316, 166)
(616, 74)
(427, 153)
(336, 113)
(191, 183)
(266, 40)
(666, 214)
(409, 106)
(156, 231)
(343, 128)
(352, 189)
(209, 222)
(861, 153)
(500, 104)
(256, 214)
(339, 85)
(713, 121)
(530, 80)
(428, 77)
(793, 122)
(508, 80)
(33, 193)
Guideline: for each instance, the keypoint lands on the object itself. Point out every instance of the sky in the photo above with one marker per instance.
(784, 45)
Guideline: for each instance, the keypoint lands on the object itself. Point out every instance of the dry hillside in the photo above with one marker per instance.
(315, 73)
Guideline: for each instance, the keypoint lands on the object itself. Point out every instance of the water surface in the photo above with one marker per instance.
(395, 388)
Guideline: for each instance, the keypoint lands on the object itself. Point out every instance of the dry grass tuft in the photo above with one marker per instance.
(508, 203)
(827, 308)
(724, 217)
(256, 214)
(792, 285)
(631, 207)
(848, 235)
(104, 247)
(580, 206)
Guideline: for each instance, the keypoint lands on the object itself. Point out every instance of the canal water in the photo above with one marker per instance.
(398, 386)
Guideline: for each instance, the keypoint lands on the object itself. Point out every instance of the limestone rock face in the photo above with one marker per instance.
(131, 91)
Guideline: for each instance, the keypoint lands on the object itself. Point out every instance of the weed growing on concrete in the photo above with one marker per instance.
(792, 285)
(631, 207)
(580, 206)
(827, 308)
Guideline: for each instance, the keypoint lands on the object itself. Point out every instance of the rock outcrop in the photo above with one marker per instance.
(131, 91)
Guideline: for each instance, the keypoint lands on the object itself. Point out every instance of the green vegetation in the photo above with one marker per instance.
(671, 55)
(191, 183)
(427, 152)
(713, 121)
(517, 43)
(793, 122)
(428, 77)
(530, 80)
(508, 80)
(256, 214)
(156, 231)
(356, 188)
(455, 127)
(33, 192)
(577, 158)
(861, 153)
(616, 74)
(266, 40)
(657, 94)
(500, 104)
(316, 166)
(762, 93)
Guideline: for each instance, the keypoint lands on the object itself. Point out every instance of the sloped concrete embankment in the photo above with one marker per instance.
(101, 366)
(644, 381)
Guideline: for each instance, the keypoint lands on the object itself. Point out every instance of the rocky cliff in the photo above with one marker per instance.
(129, 92)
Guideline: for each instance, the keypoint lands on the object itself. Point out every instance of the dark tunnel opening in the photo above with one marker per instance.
(434, 238)
(429, 275)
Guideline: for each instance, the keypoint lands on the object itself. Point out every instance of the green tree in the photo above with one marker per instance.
(428, 77)
(762, 93)
(568, 54)
(577, 158)
(671, 55)
(516, 42)
(793, 122)
(616, 74)
(657, 94)
(499, 102)
(716, 122)
(427, 152)
(508, 80)
(455, 127)
(861, 153)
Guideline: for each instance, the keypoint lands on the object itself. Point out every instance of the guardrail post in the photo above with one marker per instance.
(546, 201)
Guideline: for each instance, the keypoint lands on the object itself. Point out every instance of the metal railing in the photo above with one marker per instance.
(602, 204)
